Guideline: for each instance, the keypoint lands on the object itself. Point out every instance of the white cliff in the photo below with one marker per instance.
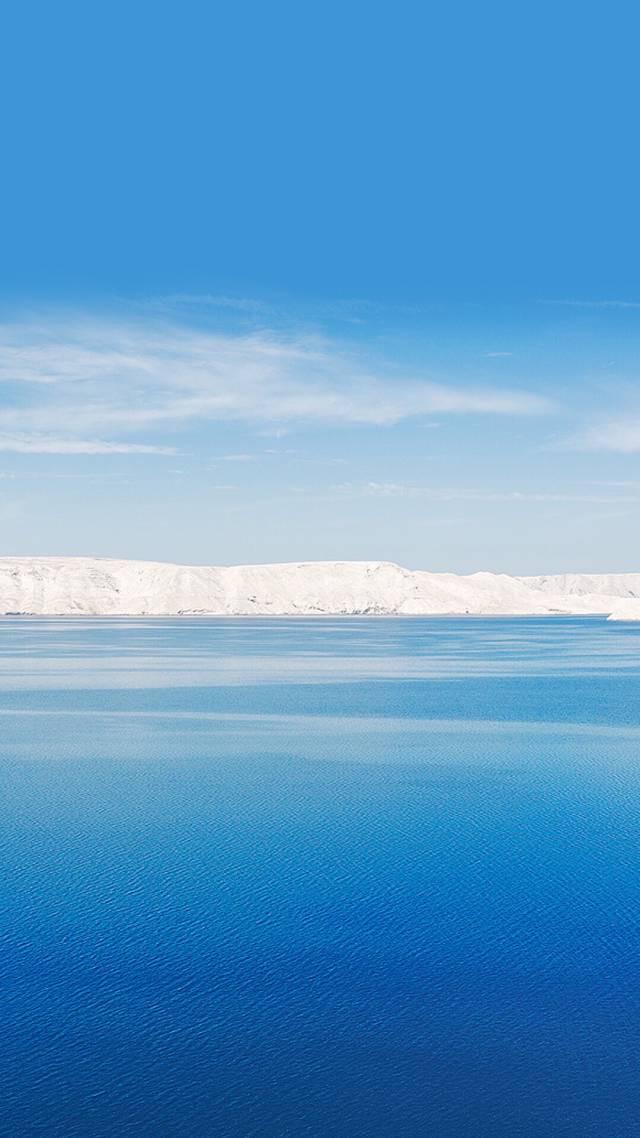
(94, 586)
(626, 609)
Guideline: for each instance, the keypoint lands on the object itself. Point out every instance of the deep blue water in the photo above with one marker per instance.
(320, 878)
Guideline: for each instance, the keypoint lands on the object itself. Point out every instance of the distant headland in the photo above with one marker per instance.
(68, 586)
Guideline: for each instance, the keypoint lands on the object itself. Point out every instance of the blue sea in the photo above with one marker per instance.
(351, 878)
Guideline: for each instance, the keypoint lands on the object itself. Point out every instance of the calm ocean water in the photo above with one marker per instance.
(367, 878)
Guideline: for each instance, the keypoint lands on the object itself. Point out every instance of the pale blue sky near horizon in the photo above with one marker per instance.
(296, 282)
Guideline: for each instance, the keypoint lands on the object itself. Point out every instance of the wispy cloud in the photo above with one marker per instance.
(49, 444)
(73, 378)
(617, 435)
(236, 457)
(595, 303)
(463, 494)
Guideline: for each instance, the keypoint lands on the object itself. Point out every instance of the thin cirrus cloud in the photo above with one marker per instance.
(49, 444)
(462, 494)
(82, 378)
(620, 436)
(604, 304)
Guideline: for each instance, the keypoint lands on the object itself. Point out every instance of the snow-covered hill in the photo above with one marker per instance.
(93, 586)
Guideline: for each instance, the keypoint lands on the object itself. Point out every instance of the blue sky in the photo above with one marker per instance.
(338, 281)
